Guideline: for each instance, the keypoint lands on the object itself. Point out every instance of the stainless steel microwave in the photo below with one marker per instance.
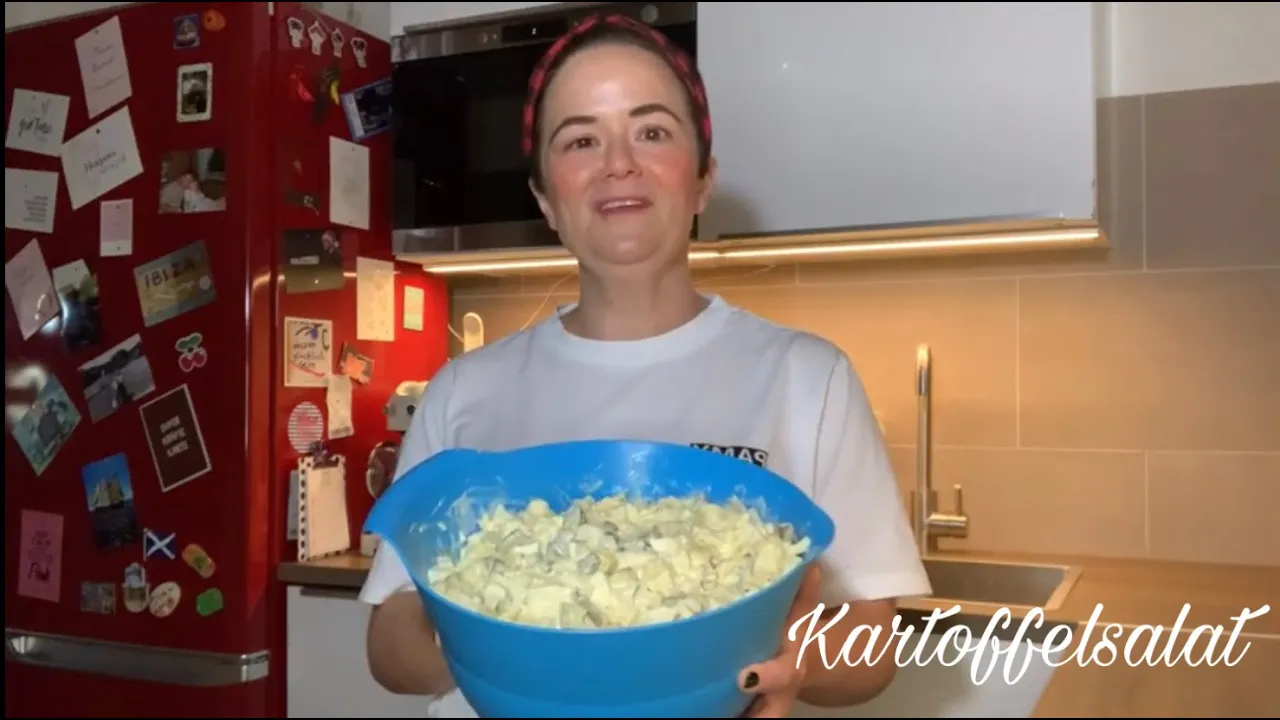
(458, 91)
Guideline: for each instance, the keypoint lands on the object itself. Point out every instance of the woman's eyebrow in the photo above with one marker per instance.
(637, 111)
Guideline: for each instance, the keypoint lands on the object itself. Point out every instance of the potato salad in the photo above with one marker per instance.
(615, 562)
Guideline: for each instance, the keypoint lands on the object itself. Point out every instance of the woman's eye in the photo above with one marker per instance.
(581, 143)
(654, 134)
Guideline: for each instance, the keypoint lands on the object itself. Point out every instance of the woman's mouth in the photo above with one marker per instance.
(619, 205)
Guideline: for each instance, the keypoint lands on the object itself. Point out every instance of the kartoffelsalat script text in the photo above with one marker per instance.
(1104, 647)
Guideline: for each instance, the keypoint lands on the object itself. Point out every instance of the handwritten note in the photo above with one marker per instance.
(40, 556)
(103, 67)
(29, 199)
(308, 352)
(115, 228)
(101, 159)
(375, 299)
(338, 398)
(35, 300)
(348, 183)
(37, 122)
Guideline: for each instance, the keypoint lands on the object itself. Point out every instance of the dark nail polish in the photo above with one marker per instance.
(751, 680)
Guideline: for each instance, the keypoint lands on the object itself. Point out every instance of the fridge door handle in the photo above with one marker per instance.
(167, 666)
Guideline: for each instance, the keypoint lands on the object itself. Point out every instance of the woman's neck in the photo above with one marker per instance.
(633, 309)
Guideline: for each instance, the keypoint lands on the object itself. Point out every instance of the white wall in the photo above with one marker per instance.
(1168, 46)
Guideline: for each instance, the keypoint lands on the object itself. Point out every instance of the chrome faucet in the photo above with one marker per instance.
(928, 523)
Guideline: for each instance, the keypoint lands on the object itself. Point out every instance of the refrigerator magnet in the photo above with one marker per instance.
(199, 560)
(190, 353)
(154, 543)
(317, 34)
(296, 30)
(164, 599)
(359, 48)
(98, 598)
(195, 92)
(135, 589)
(209, 602)
(186, 32)
(214, 21)
(337, 40)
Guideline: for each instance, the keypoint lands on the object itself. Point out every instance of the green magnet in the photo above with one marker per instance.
(209, 602)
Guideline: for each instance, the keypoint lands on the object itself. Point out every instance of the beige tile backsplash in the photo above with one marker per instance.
(1123, 403)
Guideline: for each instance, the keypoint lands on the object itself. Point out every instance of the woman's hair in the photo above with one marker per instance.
(617, 29)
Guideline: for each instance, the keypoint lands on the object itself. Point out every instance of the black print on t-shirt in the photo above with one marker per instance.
(755, 456)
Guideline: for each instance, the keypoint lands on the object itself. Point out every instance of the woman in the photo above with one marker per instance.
(619, 143)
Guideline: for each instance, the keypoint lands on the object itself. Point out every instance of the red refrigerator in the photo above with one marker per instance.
(197, 232)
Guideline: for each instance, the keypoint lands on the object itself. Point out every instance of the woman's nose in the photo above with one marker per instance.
(619, 159)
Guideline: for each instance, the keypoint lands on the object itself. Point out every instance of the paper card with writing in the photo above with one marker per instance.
(115, 228)
(40, 556)
(101, 159)
(173, 434)
(103, 67)
(30, 197)
(37, 121)
(348, 183)
(308, 352)
(375, 299)
(338, 398)
(31, 289)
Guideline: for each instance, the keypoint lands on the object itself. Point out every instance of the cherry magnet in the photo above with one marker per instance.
(191, 354)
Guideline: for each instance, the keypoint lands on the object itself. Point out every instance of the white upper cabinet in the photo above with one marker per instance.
(833, 115)
(411, 14)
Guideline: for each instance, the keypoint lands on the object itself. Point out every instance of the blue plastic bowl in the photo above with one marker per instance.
(684, 668)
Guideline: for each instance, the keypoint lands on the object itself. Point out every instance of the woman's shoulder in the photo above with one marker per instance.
(800, 349)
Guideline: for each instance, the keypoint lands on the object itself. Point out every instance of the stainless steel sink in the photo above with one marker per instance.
(1000, 583)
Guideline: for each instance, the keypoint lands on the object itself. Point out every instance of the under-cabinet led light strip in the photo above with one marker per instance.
(1075, 237)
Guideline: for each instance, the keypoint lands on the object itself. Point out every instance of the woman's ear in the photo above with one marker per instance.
(543, 204)
(706, 185)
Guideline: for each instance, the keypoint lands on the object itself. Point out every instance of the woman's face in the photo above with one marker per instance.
(620, 159)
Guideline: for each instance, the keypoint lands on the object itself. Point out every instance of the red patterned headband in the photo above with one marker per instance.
(674, 57)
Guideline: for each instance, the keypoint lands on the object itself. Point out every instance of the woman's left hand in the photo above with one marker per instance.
(777, 682)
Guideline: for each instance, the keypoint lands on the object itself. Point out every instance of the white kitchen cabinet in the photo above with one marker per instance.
(328, 673)
(830, 115)
(408, 14)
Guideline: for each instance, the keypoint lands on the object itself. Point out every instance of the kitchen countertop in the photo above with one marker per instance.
(1131, 592)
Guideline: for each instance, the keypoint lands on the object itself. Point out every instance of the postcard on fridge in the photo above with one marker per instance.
(101, 159)
(116, 378)
(30, 197)
(108, 492)
(37, 121)
(47, 425)
(103, 67)
(31, 289)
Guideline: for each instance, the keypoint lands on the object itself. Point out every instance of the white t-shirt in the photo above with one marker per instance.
(727, 381)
